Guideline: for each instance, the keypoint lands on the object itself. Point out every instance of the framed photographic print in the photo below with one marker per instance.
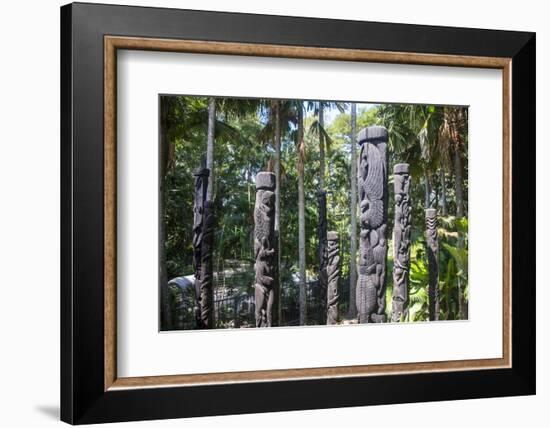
(276, 213)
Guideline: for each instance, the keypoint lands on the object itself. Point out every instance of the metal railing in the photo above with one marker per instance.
(235, 309)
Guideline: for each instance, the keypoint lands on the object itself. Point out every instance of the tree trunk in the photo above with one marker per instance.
(321, 148)
(428, 190)
(301, 219)
(322, 225)
(443, 192)
(458, 184)
(459, 292)
(166, 313)
(277, 168)
(210, 147)
(353, 209)
(462, 305)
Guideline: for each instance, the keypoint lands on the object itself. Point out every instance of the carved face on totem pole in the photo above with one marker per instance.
(401, 242)
(267, 202)
(264, 248)
(373, 193)
(264, 213)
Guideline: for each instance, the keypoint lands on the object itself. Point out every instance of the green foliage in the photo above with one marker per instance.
(418, 287)
(244, 146)
(453, 269)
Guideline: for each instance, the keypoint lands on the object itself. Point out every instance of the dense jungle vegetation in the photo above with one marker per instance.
(310, 146)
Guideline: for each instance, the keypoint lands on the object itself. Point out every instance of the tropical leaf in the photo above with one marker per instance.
(460, 256)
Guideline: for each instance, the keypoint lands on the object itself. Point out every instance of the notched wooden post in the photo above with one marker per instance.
(333, 274)
(433, 263)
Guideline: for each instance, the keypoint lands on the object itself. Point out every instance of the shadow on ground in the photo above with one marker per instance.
(50, 411)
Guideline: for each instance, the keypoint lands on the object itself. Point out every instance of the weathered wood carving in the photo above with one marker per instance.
(207, 267)
(322, 250)
(264, 248)
(433, 263)
(373, 195)
(401, 242)
(333, 273)
(203, 237)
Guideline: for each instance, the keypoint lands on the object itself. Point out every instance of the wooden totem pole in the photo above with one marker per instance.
(401, 242)
(372, 183)
(207, 267)
(433, 263)
(264, 249)
(333, 274)
(322, 250)
(203, 244)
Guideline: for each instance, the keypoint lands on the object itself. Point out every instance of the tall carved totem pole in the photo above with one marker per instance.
(265, 249)
(333, 274)
(372, 183)
(322, 250)
(401, 241)
(203, 244)
(433, 263)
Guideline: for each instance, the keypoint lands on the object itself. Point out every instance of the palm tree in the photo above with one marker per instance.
(292, 113)
(317, 129)
(425, 157)
(280, 117)
(174, 112)
(458, 122)
(227, 108)
(450, 136)
(447, 128)
(409, 126)
(458, 183)
(353, 210)
(444, 152)
(181, 118)
(444, 211)
(300, 108)
(300, 147)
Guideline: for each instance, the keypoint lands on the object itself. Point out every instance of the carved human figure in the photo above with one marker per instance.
(264, 248)
(433, 263)
(322, 251)
(401, 241)
(333, 273)
(203, 287)
(373, 195)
